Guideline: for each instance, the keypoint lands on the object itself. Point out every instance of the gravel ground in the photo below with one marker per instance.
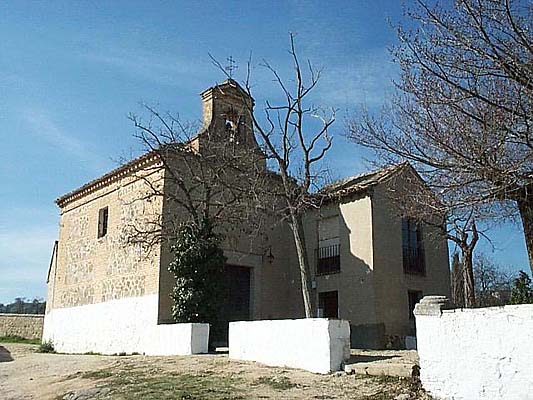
(25, 374)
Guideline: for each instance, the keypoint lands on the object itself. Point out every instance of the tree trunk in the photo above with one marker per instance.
(468, 278)
(525, 206)
(303, 263)
(458, 294)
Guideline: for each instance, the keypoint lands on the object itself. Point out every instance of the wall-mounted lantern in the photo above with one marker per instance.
(269, 256)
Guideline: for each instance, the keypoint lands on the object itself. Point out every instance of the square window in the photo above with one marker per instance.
(328, 304)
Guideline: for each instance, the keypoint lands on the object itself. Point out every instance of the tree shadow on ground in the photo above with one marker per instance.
(5, 355)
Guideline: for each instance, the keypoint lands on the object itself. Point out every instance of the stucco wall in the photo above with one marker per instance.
(354, 281)
(125, 325)
(471, 354)
(391, 282)
(372, 285)
(315, 344)
(28, 326)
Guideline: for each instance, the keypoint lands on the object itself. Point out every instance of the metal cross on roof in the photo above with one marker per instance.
(231, 66)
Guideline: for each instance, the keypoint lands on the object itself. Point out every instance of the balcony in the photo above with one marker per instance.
(328, 260)
(414, 261)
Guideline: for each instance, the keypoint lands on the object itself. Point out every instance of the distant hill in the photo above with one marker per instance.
(24, 306)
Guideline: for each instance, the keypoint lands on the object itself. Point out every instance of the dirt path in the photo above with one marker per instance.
(31, 375)
(25, 374)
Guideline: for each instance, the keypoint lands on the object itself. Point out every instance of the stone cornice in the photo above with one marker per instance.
(124, 170)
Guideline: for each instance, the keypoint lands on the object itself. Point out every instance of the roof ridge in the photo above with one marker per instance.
(350, 180)
(111, 176)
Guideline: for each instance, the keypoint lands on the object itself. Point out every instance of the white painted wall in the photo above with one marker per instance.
(316, 344)
(470, 354)
(126, 325)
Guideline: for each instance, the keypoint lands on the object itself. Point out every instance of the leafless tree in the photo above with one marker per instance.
(202, 178)
(449, 218)
(462, 112)
(493, 282)
(295, 136)
(457, 281)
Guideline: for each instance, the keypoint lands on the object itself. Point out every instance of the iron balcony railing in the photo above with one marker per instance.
(414, 261)
(328, 259)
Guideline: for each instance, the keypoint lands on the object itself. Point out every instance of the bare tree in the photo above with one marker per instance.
(449, 218)
(462, 113)
(493, 282)
(466, 236)
(295, 136)
(457, 281)
(203, 178)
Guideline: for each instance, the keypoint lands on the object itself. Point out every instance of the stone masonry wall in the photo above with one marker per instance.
(28, 326)
(470, 354)
(90, 269)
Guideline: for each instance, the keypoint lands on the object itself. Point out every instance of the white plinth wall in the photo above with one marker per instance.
(483, 353)
(316, 344)
(122, 326)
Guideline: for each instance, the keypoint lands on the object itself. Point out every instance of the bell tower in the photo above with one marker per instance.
(226, 110)
(227, 124)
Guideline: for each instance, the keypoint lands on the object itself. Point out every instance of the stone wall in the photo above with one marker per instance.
(470, 354)
(89, 269)
(28, 326)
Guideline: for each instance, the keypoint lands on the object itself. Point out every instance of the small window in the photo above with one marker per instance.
(103, 215)
(414, 297)
(414, 260)
(328, 304)
(328, 260)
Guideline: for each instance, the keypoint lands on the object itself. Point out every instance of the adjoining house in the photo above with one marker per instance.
(371, 266)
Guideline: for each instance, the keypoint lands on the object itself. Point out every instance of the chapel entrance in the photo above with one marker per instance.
(236, 302)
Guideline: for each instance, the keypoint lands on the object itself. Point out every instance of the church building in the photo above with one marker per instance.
(370, 266)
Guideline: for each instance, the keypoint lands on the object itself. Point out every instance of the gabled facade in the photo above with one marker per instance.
(109, 295)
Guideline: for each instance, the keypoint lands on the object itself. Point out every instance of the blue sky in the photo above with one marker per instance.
(70, 72)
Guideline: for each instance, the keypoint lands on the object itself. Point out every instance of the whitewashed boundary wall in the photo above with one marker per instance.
(27, 326)
(481, 353)
(315, 344)
(127, 325)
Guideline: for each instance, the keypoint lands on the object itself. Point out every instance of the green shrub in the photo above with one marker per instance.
(198, 267)
(18, 339)
(46, 347)
(522, 293)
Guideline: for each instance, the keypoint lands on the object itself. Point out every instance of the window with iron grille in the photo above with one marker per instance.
(414, 260)
(328, 251)
(328, 259)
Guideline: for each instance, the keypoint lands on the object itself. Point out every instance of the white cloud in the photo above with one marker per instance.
(25, 255)
(159, 68)
(42, 125)
(364, 80)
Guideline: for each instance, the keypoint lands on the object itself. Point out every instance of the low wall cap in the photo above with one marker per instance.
(432, 305)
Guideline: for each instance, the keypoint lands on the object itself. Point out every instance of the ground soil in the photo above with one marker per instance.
(25, 374)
